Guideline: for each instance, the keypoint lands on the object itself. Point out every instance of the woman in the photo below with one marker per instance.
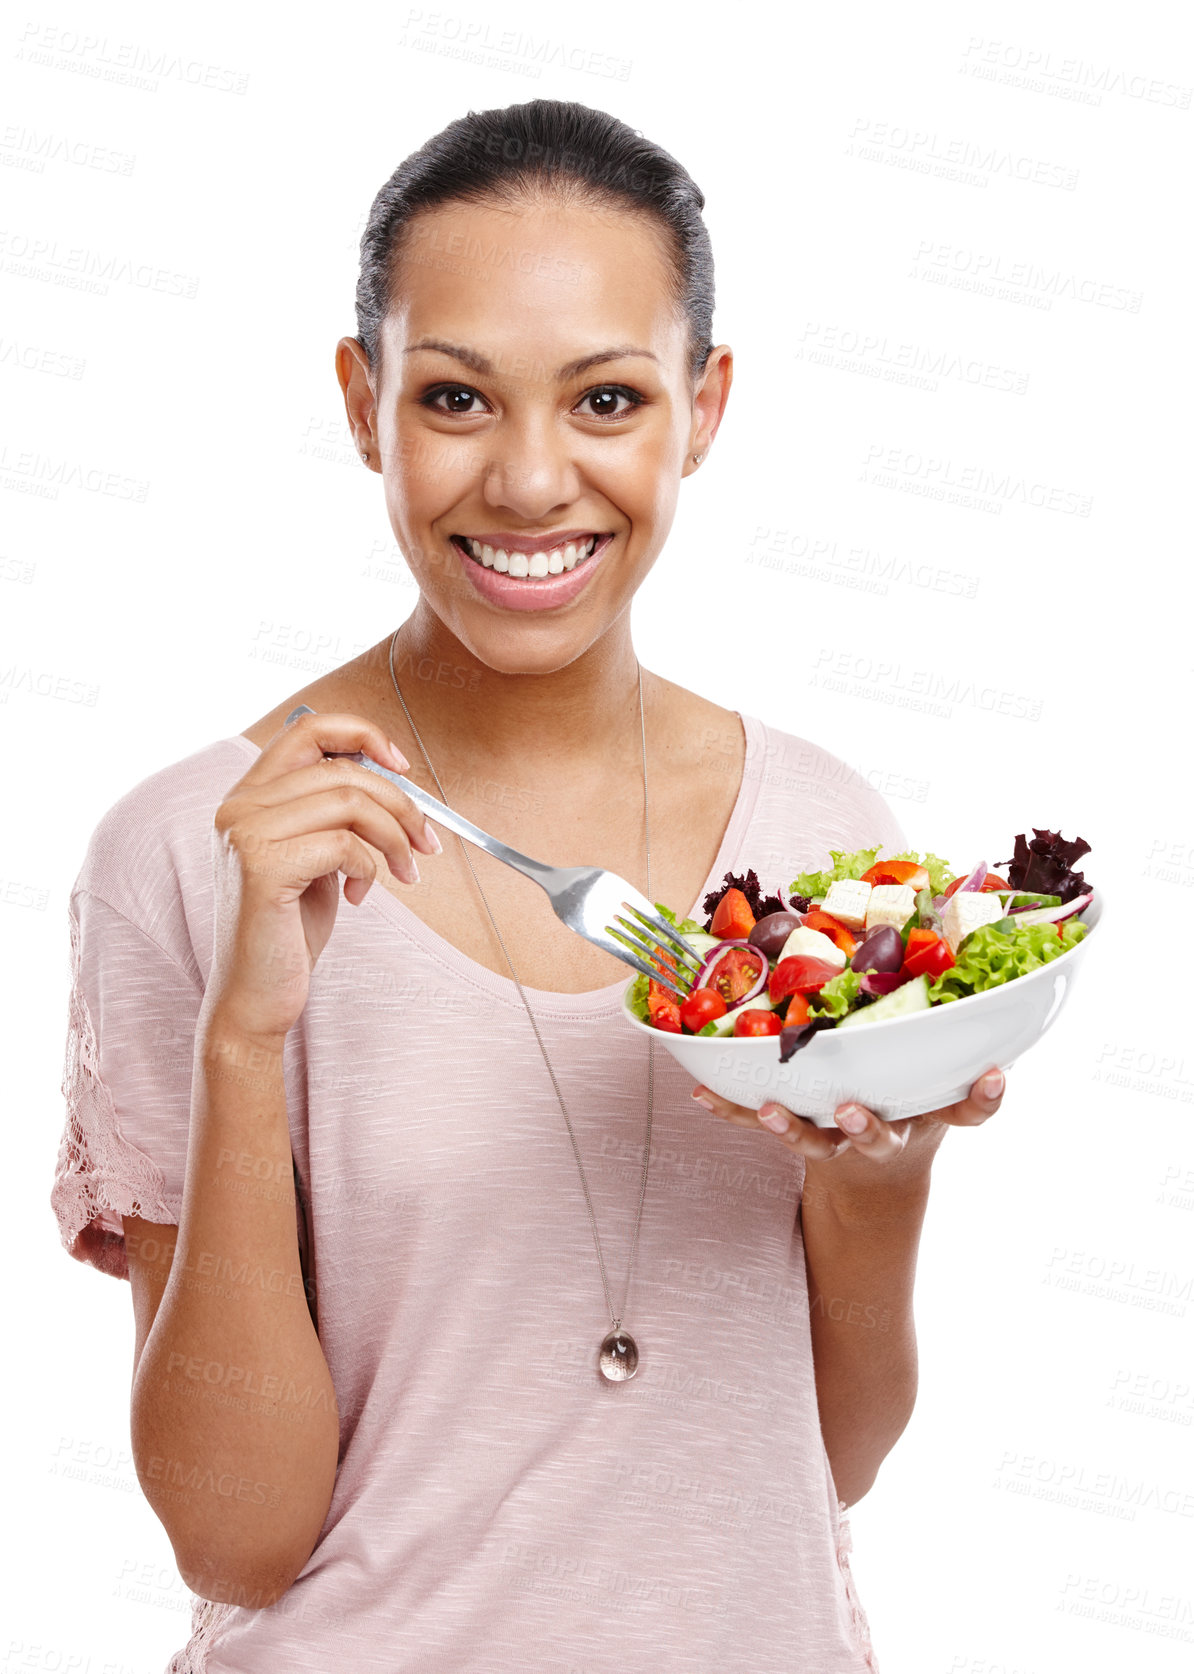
(374, 1430)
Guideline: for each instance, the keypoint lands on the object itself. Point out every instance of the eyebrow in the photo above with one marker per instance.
(479, 363)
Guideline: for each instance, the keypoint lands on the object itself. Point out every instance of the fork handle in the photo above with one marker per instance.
(441, 814)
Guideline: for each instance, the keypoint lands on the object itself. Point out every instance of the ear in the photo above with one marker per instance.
(709, 403)
(360, 404)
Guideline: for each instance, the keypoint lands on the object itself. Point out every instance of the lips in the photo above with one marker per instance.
(543, 588)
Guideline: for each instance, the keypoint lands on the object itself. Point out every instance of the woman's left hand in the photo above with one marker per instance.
(869, 1138)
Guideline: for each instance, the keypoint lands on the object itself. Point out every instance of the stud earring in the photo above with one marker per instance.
(364, 456)
(697, 457)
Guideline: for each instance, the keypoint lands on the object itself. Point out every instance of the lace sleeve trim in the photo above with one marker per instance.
(858, 1622)
(100, 1175)
(207, 1622)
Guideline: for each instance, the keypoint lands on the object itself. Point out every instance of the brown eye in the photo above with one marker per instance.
(603, 402)
(458, 397)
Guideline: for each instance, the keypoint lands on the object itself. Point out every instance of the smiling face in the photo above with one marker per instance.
(532, 419)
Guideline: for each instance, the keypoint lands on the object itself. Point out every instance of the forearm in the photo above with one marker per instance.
(860, 1249)
(234, 1421)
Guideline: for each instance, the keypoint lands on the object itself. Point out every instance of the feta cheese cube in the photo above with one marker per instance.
(890, 904)
(967, 910)
(814, 944)
(847, 901)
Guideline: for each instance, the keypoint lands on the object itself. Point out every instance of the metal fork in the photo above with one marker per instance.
(585, 898)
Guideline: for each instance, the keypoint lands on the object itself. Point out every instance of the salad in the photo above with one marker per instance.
(866, 939)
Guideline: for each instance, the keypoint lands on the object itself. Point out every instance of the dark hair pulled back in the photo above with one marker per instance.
(514, 152)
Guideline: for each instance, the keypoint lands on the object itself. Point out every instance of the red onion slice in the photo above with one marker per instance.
(1057, 915)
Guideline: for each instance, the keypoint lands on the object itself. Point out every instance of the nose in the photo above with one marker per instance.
(529, 469)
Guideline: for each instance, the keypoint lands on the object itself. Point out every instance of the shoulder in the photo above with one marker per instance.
(813, 799)
(151, 849)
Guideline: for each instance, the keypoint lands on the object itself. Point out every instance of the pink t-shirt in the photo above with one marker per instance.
(497, 1506)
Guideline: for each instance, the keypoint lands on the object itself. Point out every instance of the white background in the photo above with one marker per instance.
(997, 192)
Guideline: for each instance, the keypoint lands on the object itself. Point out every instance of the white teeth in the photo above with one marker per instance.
(536, 564)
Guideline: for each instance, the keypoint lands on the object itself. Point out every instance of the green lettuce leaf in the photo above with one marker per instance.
(838, 994)
(638, 998)
(844, 866)
(685, 926)
(941, 873)
(990, 956)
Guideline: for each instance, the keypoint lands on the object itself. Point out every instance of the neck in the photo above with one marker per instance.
(548, 725)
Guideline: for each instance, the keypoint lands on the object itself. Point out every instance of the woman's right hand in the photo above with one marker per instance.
(281, 836)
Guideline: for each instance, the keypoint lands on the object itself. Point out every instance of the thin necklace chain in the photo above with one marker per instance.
(616, 1319)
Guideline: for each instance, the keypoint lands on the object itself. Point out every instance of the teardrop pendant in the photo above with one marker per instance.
(618, 1359)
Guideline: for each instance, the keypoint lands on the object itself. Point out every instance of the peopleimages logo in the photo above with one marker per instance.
(1071, 78)
(939, 478)
(128, 63)
(952, 156)
(989, 273)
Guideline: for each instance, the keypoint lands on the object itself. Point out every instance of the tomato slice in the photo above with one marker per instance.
(733, 921)
(667, 1017)
(702, 1005)
(737, 971)
(757, 1021)
(897, 872)
(839, 933)
(800, 974)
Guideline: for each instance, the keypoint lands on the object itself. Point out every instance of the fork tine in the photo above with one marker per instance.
(689, 964)
(663, 932)
(663, 977)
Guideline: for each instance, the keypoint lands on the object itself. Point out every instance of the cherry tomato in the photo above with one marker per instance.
(737, 971)
(816, 919)
(733, 921)
(897, 872)
(757, 1021)
(702, 1005)
(667, 1017)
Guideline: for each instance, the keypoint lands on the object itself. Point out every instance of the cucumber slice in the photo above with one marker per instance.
(911, 996)
(700, 942)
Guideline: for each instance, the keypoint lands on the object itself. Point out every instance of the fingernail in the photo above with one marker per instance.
(400, 760)
(852, 1119)
(432, 840)
(777, 1120)
(413, 871)
(703, 1098)
(992, 1084)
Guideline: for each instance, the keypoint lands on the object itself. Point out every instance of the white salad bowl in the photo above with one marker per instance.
(897, 1067)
